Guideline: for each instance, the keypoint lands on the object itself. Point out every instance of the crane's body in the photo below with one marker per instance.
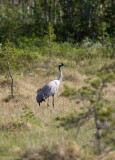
(50, 88)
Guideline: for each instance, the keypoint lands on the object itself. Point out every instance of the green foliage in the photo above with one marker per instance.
(96, 83)
(49, 34)
(67, 50)
(18, 58)
(107, 77)
(69, 92)
(31, 49)
(28, 43)
(11, 22)
(105, 112)
(49, 38)
(68, 122)
(8, 55)
(91, 21)
(86, 92)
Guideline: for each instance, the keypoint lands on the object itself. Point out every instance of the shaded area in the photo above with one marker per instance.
(7, 99)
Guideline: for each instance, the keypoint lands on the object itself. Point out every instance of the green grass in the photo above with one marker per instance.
(26, 126)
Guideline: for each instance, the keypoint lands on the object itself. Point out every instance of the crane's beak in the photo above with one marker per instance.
(64, 65)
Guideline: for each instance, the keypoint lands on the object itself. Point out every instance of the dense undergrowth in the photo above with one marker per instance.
(29, 51)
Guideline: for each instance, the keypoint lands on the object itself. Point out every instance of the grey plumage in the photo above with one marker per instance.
(50, 88)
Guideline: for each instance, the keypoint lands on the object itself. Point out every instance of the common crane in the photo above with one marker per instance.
(50, 88)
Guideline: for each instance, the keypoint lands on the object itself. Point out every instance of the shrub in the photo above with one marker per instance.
(69, 92)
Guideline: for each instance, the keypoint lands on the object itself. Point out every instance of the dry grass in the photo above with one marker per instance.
(68, 151)
(48, 131)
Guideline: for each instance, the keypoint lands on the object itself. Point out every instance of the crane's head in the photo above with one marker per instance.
(61, 64)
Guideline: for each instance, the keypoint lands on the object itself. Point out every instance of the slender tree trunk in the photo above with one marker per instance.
(70, 22)
(45, 10)
(49, 10)
(35, 5)
(23, 16)
(60, 13)
(70, 3)
(12, 81)
(55, 11)
(12, 2)
(97, 135)
(50, 50)
(97, 122)
(28, 7)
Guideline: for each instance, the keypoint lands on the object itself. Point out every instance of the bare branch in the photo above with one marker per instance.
(97, 123)
(9, 72)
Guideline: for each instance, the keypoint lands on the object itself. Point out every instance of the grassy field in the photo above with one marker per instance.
(24, 126)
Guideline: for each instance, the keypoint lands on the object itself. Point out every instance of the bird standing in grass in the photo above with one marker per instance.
(50, 88)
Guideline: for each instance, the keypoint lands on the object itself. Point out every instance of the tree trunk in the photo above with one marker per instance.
(12, 2)
(45, 10)
(50, 47)
(12, 81)
(55, 11)
(49, 11)
(23, 16)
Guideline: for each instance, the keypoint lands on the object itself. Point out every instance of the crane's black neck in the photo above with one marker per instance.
(59, 68)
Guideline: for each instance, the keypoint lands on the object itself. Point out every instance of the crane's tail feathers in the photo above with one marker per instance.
(44, 99)
(41, 98)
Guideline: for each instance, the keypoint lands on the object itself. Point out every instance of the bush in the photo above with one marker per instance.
(18, 58)
(69, 92)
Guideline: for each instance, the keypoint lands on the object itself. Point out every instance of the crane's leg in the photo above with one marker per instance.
(53, 101)
(48, 103)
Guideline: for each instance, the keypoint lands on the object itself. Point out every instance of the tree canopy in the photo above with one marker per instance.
(72, 20)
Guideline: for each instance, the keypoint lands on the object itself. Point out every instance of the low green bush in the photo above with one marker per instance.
(69, 92)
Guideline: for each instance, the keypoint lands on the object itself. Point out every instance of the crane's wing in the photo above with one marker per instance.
(51, 88)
